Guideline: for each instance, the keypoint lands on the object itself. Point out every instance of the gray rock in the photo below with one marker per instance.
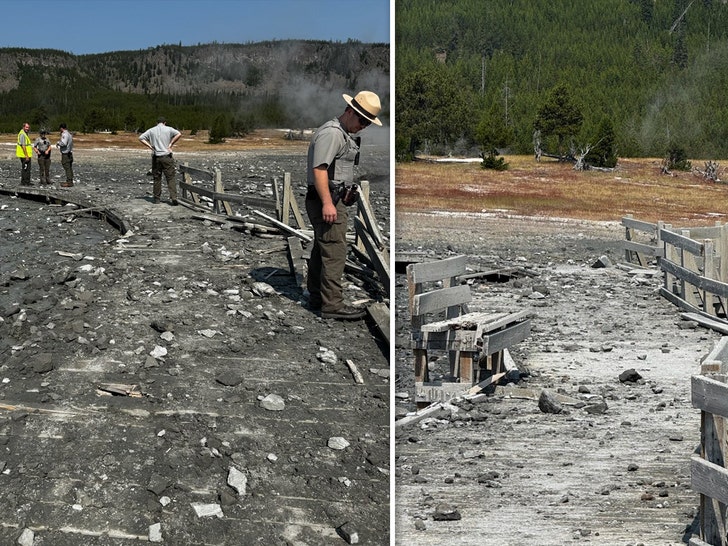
(229, 378)
(157, 484)
(547, 403)
(629, 376)
(43, 363)
(596, 408)
(349, 533)
(446, 512)
(602, 262)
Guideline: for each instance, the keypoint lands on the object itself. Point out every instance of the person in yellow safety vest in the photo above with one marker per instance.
(24, 150)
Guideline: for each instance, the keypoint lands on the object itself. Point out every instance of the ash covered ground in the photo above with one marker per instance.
(153, 390)
(614, 466)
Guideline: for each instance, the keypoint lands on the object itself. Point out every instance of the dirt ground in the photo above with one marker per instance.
(612, 467)
(235, 419)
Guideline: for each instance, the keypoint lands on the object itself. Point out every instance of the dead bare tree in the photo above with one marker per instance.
(537, 145)
(581, 164)
(711, 171)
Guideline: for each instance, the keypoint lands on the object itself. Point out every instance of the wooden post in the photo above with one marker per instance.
(658, 239)
(688, 260)
(220, 189)
(709, 273)
(422, 374)
(277, 199)
(628, 236)
(187, 178)
(293, 204)
(723, 253)
(669, 254)
(364, 194)
(466, 368)
(283, 214)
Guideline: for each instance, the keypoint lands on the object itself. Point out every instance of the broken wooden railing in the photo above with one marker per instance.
(695, 271)
(708, 472)
(442, 323)
(283, 213)
(220, 200)
(641, 241)
(694, 262)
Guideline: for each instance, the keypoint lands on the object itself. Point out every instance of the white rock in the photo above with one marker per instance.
(26, 538)
(206, 510)
(207, 333)
(155, 532)
(237, 480)
(327, 356)
(337, 442)
(273, 402)
(165, 500)
(263, 289)
(158, 352)
(167, 336)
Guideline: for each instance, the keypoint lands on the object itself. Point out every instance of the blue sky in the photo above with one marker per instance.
(97, 26)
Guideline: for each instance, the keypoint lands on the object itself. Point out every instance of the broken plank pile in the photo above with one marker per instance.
(369, 262)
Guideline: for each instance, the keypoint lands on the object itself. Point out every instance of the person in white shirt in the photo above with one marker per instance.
(160, 140)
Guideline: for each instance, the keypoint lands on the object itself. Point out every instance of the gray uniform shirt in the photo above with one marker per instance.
(159, 137)
(66, 142)
(42, 144)
(334, 147)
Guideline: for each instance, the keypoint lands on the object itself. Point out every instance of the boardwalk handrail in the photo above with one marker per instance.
(640, 251)
(694, 272)
(694, 262)
(708, 473)
(220, 200)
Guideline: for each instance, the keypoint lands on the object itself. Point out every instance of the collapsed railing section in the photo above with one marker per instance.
(694, 262)
(283, 213)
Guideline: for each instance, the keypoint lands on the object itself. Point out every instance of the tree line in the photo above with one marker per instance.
(227, 89)
(638, 77)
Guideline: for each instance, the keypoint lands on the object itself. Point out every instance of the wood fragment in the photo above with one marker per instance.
(475, 389)
(379, 312)
(120, 389)
(298, 233)
(355, 372)
(76, 211)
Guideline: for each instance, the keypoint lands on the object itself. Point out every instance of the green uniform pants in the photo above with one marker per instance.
(328, 256)
(67, 162)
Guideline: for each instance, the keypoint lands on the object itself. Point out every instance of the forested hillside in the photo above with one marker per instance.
(234, 87)
(487, 73)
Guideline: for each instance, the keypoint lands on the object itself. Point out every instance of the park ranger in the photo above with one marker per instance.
(332, 154)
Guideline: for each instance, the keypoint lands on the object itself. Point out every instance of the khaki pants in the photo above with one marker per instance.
(164, 164)
(328, 256)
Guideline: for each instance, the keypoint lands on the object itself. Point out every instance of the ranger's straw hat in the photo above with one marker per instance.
(367, 104)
